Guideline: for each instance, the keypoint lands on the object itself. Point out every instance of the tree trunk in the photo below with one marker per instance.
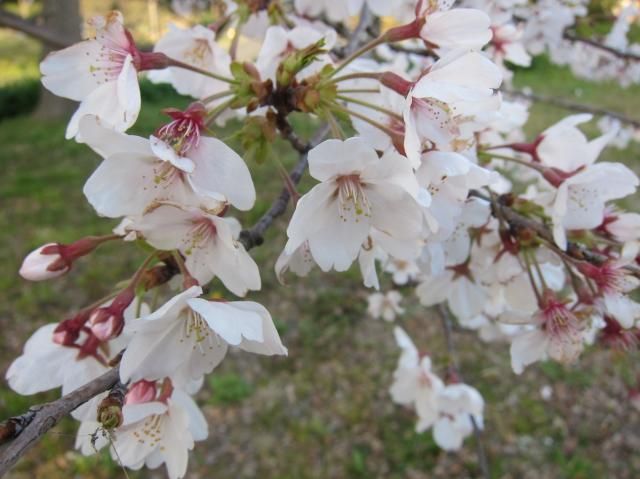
(62, 17)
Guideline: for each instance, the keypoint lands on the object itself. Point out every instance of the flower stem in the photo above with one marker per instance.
(380, 126)
(359, 52)
(370, 105)
(216, 96)
(217, 111)
(358, 90)
(513, 160)
(178, 64)
(353, 76)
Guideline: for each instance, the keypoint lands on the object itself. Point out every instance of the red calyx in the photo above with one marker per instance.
(396, 83)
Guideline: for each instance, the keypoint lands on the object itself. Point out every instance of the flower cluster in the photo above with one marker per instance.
(522, 241)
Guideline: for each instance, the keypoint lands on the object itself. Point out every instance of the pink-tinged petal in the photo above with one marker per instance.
(392, 168)
(166, 227)
(171, 308)
(434, 289)
(471, 70)
(466, 298)
(146, 356)
(394, 212)
(466, 28)
(231, 263)
(128, 95)
(527, 348)
(336, 157)
(410, 356)
(166, 153)
(446, 435)
(228, 322)
(106, 141)
(306, 218)
(43, 364)
(122, 185)
(133, 413)
(271, 343)
(219, 169)
(198, 425)
(404, 387)
(69, 73)
(338, 243)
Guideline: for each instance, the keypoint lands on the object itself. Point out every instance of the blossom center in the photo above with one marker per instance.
(352, 200)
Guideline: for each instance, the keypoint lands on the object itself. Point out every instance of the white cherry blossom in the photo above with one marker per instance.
(137, 172)
(189, 336)
(385, 306)
(207, 241)
(195, 46)
(101, 73)
(358, 193)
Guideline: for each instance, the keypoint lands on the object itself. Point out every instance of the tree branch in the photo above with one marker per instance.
(40, 419)
(34, 30)
(516, 221)
(253, 236)
(572, 106)
(600, 46)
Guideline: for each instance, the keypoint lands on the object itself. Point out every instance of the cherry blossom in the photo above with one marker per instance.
(207, 241)
(460, 406)
(196, 46)
(414, 382)
(96, 72)
(385, 306)
(198, 333)
(155, 432)
(558, 334)
(441, 106)
(137, 172)
(358, 192)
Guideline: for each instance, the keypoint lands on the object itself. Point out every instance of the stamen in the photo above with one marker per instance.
(352, 200)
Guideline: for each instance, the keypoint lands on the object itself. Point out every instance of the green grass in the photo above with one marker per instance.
(325, 410)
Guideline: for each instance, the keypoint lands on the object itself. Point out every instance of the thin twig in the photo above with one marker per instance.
(600, 46)
(46, 35)
(46, 416)
(572, 106)
(454, 368)
(254, 236)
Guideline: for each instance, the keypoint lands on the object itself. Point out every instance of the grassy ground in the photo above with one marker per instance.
(325, 410)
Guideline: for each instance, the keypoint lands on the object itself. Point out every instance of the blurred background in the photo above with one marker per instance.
(325, 411)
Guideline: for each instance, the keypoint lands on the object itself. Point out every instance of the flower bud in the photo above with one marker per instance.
(107, 322)
(141, 392)
(44, 263)
(54, 259)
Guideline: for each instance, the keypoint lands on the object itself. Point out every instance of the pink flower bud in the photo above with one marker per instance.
(107, 322)
(104, 324)
(54, 259)
(141, 392)
(44, 263)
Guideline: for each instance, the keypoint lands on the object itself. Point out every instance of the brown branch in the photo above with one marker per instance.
(573, 106)
(40, 419)
(34, 30)
(600, 46)
(254, 236)
(517, 221)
